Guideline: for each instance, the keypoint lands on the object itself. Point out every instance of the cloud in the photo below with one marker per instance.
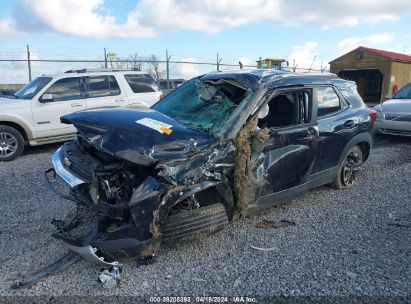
(149, 18)
(303, 55)
(8, 27)
(374, 40)
(185, 70)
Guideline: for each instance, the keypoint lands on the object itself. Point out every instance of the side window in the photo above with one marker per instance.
(114, 88)
(100, 86)
(328, 101)
(287, 109)
(141, 83)
(65, 89)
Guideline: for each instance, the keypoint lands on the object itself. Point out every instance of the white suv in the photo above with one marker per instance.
(32, 114)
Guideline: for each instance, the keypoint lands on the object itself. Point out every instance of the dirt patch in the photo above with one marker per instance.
(243, 166)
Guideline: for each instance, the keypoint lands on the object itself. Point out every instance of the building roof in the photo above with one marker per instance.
(390, 55)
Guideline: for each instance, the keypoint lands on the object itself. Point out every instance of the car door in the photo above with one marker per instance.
(143, 89)
(62, 97)
(336, 125)
(282, 168)
(103, 91)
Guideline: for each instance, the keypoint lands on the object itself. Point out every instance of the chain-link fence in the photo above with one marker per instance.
(21, 66)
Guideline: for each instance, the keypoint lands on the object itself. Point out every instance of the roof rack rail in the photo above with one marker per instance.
(101, 70)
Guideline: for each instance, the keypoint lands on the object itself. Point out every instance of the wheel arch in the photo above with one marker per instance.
(364, 141)
(17, 127)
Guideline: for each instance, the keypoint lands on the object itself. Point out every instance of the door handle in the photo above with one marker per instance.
(350, 124)
(76, 104)
(119, 99)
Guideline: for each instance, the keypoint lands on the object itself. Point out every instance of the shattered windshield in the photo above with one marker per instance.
(32, 88)
(205, 105)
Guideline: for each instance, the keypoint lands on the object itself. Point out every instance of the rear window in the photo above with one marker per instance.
(328, 101)
(141, 83)
(100, 86)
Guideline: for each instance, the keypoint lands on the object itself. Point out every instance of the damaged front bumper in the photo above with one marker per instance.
(135, 228)
(58, 161)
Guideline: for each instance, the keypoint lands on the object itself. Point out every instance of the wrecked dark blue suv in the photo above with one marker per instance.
(221, 145)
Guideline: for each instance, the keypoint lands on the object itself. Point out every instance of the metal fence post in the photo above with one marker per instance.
(105, 58)
(28, 62)
(168, 69)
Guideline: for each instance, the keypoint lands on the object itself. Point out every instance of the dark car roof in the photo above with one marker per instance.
(271, 78)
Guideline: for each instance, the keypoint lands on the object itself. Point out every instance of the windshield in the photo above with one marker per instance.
(404, 93)
(32, 88)
(203, 105)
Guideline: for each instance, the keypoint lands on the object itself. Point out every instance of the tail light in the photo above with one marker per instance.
(161, 96)
(372, 114)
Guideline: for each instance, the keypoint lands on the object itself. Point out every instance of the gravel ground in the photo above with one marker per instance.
(353, 242)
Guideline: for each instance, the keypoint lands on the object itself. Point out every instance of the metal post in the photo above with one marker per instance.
(105, 58)
(168, 69)
(28, 62)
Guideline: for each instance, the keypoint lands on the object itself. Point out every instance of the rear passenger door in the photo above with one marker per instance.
(103, 91)
(144, 89)
(336, 126)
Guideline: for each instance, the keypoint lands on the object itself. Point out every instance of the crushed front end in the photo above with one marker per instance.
(179, 192)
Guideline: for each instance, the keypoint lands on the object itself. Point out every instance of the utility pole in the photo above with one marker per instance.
(28, 62)
(168, 69)
(105, 58)
(218, 63)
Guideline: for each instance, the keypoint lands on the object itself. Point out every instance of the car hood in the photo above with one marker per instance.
(395, 106)
(141, 136)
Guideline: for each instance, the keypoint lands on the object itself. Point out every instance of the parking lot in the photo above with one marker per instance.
(349, 242)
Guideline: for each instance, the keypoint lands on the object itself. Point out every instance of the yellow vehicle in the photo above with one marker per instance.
(272, 63)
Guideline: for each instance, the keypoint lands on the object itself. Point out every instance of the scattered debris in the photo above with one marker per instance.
(263, 249)
(351, 275)
(57, 266)
(169, 276)
(404, 221)
(328, 274)
(198, 280)
(67, 224)
(267, 224)
(237, 283)
(109, 278)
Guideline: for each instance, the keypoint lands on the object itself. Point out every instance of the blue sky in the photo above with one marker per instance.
(198, 29)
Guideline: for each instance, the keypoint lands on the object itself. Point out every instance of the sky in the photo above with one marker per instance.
(196, 30)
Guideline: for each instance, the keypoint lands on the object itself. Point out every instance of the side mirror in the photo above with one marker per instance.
(46, 98)
(388, 96)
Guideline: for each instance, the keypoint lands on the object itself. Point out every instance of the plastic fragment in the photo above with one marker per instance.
(109, 277)
(263, 249)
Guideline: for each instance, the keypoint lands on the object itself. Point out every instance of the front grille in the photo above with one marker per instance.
(81, 171)
(398, 117)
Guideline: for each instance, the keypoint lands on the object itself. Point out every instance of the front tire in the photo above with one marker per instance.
(349, 169)
(11, 143)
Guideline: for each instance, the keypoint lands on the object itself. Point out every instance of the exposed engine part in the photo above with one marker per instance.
(117, 187)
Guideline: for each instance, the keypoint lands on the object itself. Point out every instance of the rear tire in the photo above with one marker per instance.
(195, 224)
(11, 143)
(349, 169)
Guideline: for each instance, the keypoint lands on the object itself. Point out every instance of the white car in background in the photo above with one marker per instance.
(394, 115)
(32, 115)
